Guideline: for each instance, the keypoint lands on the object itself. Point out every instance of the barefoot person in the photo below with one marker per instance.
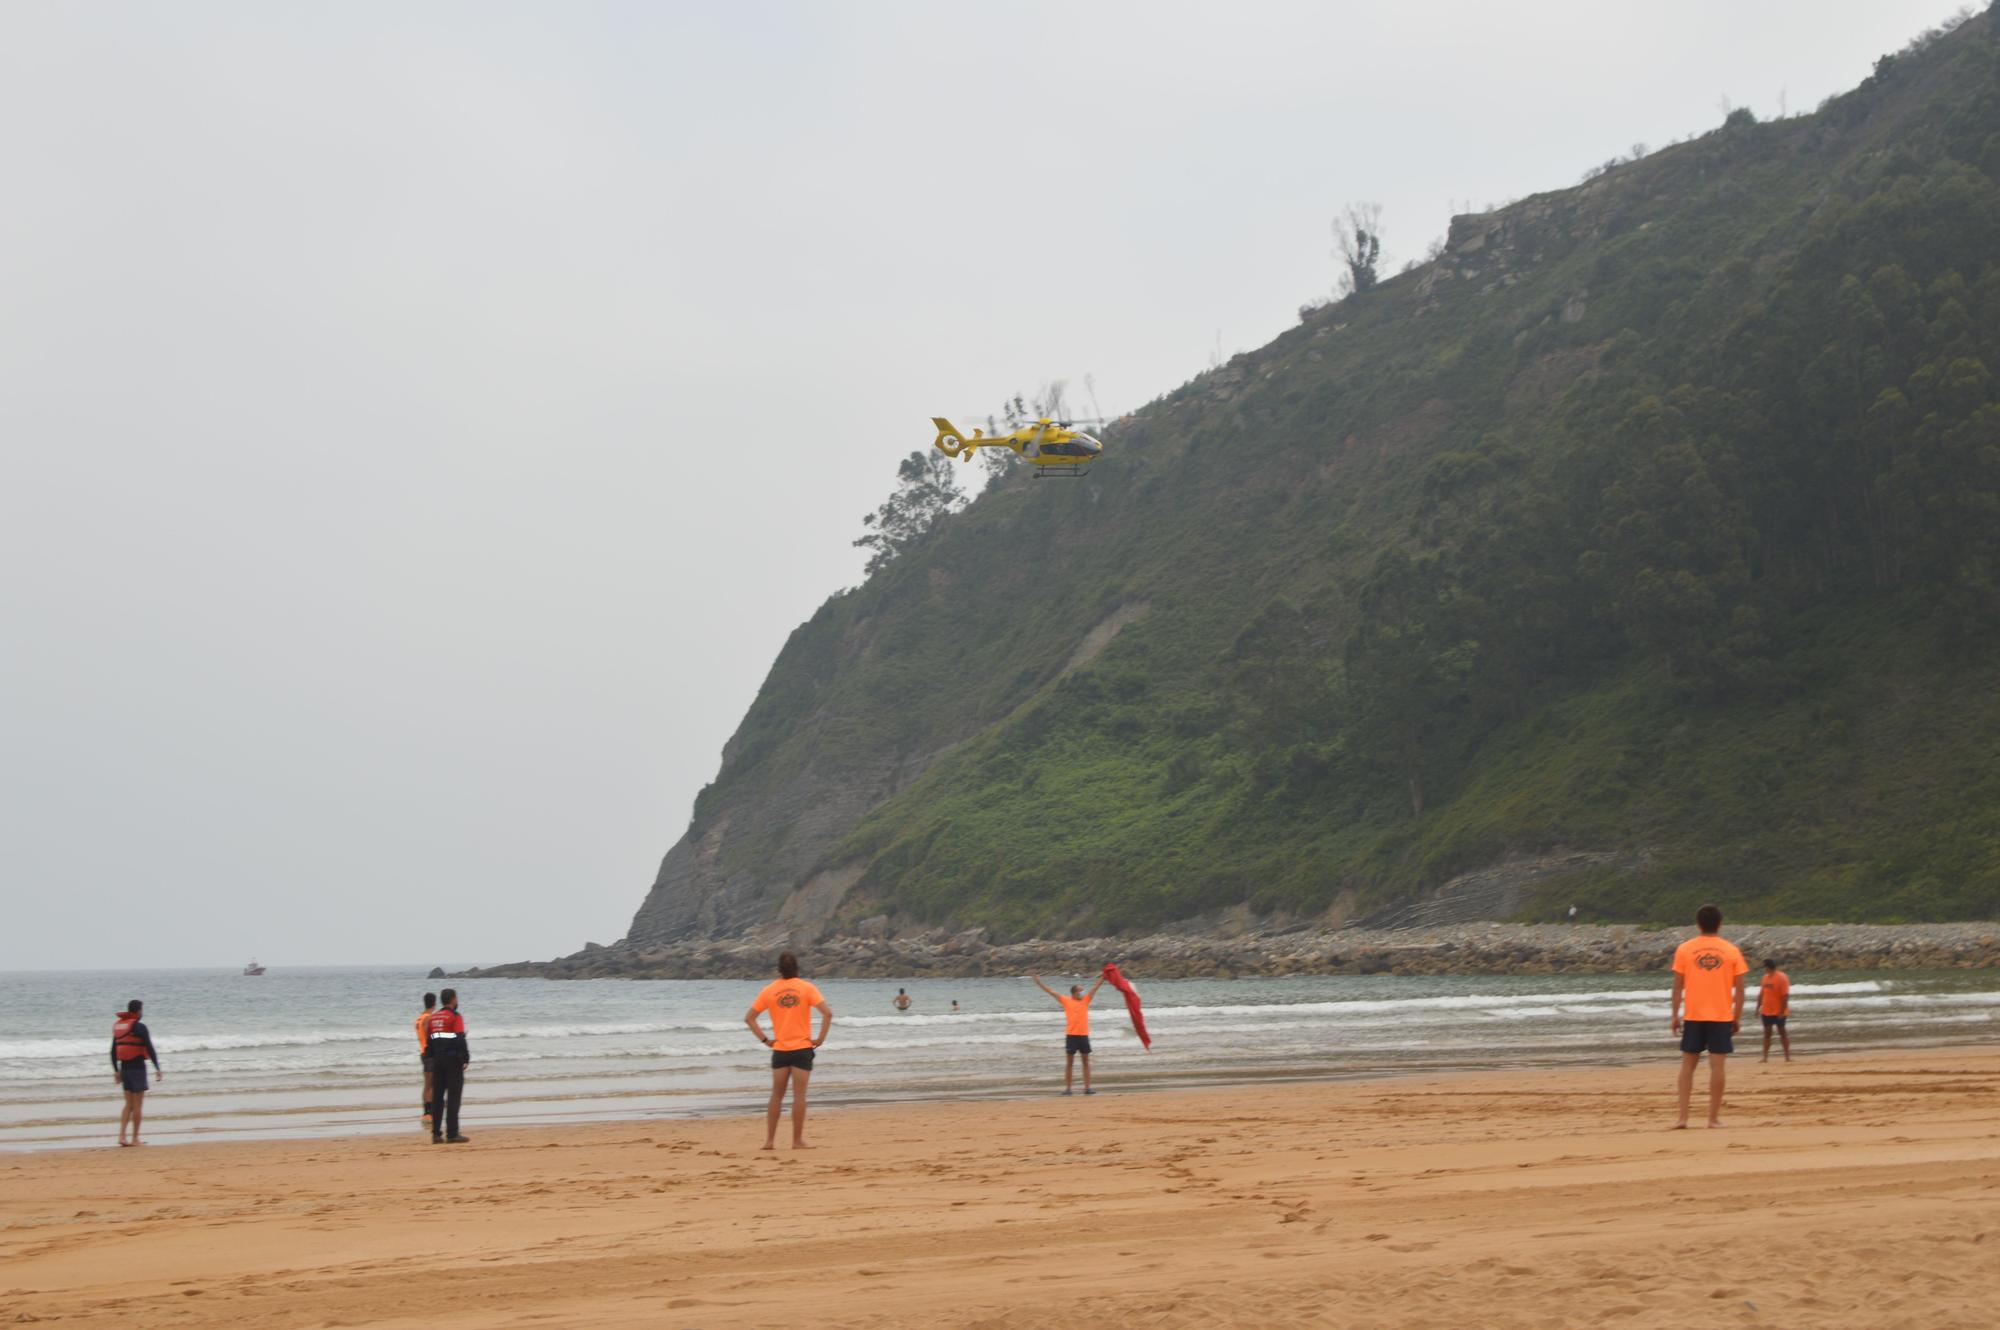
(1076, 1029)
(1774, 1004)
(131, 1045)
(1708, 985)
(424, 1052)
(791, 1002)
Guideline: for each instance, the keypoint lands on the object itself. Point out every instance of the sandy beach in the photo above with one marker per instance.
(1855, 1190)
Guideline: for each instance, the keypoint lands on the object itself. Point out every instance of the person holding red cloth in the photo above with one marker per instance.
(1076, 1029)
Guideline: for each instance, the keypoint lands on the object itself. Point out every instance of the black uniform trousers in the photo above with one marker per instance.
(447, 1089)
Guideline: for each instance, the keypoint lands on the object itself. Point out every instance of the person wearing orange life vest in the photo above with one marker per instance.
(131, 1045)
(444, 1040)
(424, 1053)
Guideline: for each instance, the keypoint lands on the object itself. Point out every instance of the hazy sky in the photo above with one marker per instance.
(420, 426)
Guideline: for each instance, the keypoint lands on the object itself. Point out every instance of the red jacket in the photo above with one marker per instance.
(444, 1036)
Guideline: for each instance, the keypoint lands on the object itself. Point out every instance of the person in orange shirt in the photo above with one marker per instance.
(1076, 1029)
(1708, 985)
(791, 1002)
(1774, 1004)
(424, 1052)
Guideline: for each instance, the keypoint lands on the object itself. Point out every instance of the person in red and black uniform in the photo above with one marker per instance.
(444, 1042)
(131, 1045)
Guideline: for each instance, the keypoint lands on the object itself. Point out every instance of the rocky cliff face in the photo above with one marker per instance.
(1535, 555)
(765, 863)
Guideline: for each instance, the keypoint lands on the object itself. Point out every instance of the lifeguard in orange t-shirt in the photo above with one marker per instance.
(1076, 1029)
(791, 1002)
(1708, 985)
(1774, 1004)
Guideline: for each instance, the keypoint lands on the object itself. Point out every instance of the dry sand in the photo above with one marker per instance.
(1855, 1191)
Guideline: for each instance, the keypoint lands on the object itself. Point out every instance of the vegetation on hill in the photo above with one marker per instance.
(1661, 514)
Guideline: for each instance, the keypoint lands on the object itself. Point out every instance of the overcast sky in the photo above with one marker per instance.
(420, 426)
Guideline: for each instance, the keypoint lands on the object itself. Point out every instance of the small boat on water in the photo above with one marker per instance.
(253, 968)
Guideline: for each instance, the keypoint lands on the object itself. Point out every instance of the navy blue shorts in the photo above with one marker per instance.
(1707, 1037)
(133, 1074)
(799, 1058)
(1775, 1022)
(1077, 1043)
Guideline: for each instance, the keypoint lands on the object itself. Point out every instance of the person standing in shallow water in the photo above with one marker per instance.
(901, 1000)
(1708, 978)
(791, 1002)
(1774, 1005)
(131, 1045)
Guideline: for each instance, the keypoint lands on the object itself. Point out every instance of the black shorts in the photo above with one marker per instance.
(133, 1075)
(1775, 1022)
(424, 1061)
(800, 1058)
(1707, 1037)
(1077, 1043)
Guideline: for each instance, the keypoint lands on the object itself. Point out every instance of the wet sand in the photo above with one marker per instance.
(1854, 1190)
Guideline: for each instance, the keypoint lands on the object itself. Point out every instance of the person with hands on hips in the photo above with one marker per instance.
(791, 1002)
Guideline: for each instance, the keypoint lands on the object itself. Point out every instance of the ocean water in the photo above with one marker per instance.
(317, 1051)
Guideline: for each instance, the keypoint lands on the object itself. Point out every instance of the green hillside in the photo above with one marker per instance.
(1660, 515)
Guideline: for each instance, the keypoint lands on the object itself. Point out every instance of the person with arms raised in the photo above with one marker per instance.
(1076, 1029)
(1708, 985)
(791, 1002)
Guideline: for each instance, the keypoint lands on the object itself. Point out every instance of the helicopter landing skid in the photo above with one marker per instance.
(1075, 472)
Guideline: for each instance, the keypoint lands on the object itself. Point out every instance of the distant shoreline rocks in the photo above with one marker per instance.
(1467, 948)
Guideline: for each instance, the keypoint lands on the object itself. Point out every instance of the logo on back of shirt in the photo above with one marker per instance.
(1709, 960)
(788, 999)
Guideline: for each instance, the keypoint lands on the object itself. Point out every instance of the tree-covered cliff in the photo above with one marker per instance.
(1658, 517)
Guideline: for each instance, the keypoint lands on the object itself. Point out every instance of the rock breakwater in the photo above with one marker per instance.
(1455, 949)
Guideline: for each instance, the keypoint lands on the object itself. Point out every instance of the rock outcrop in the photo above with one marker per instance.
(1455, 949)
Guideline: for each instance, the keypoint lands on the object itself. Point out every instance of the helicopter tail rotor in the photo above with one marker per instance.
(951, 442)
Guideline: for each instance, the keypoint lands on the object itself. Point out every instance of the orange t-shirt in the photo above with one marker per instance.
(1775, 997)
(1077, 1012)
(1709, 967)
(423, 1035)
(791, 1003)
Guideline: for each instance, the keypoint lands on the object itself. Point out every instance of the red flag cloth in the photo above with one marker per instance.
(1123, 985)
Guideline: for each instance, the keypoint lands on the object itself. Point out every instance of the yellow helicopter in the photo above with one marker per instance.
(1052, 447)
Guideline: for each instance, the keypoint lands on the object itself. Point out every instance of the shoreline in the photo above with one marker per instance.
(1473, 1197)
(1470, 949)
(1128, 1079)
